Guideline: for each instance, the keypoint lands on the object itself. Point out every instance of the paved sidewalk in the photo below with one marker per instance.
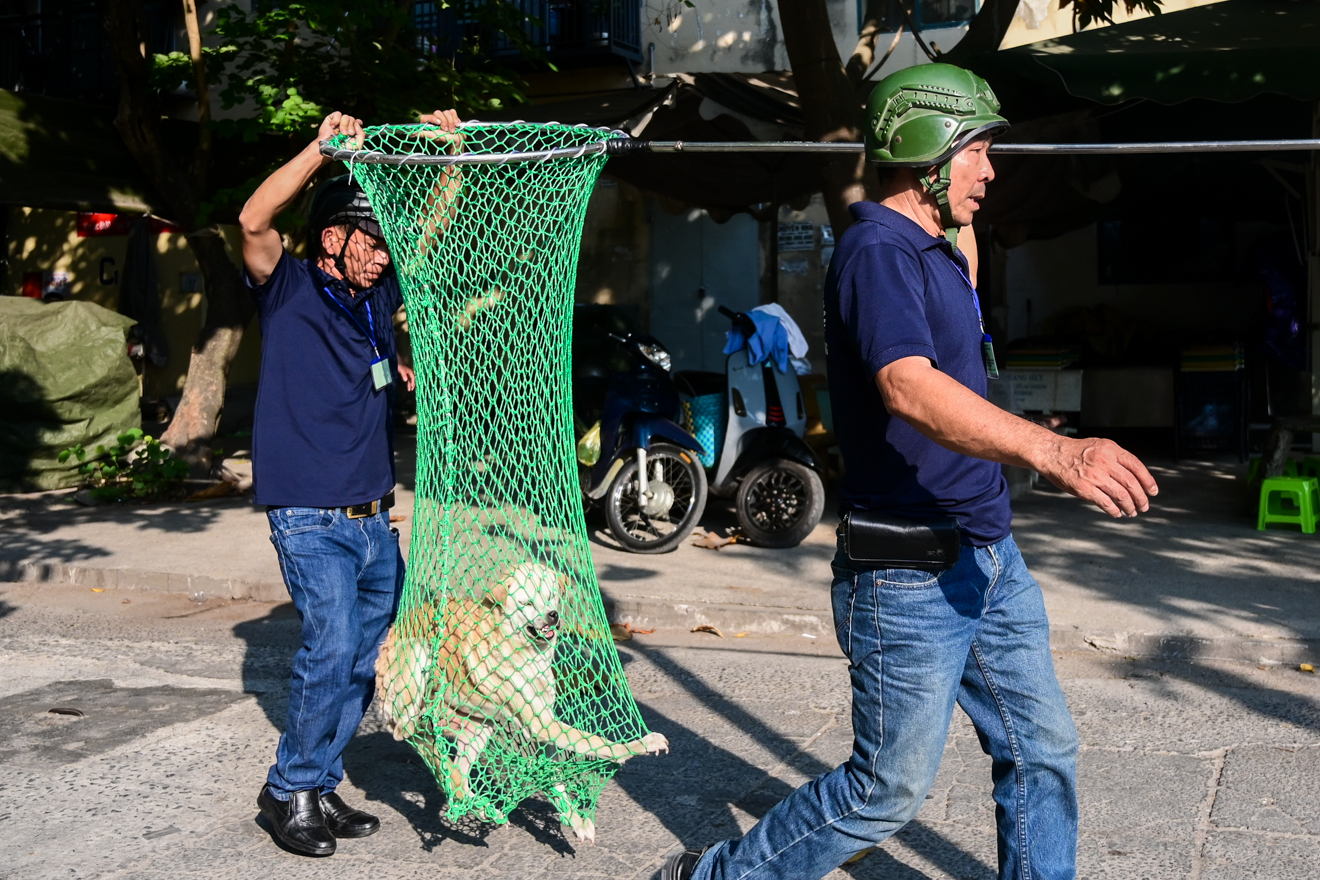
(1191, 579)
(1188, 771)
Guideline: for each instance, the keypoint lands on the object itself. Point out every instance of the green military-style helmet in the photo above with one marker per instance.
(920, 117)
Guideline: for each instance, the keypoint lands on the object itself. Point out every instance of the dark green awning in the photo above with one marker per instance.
(1229, 51)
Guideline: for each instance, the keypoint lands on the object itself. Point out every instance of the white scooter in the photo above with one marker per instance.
(753, 436)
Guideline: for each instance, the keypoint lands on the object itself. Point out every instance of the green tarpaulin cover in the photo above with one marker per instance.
(65, 378)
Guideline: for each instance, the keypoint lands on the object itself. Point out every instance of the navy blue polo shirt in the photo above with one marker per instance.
(894, 291)
(323, 436)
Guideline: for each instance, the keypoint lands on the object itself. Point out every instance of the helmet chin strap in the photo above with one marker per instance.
(342, 267)
(939, 188)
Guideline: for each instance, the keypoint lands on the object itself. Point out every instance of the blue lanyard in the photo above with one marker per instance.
(976, 300)
(371, 334)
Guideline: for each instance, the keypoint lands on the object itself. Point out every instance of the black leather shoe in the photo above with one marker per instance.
(299, 822)
(680, 863)
(344, 821)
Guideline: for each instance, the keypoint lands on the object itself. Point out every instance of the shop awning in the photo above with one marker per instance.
(1229, 51)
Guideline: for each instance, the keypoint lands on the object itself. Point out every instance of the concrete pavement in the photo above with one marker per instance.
(1190, 579)
(1202, 770)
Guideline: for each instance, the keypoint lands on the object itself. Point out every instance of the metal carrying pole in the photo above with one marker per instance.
(622, 146)
(619, 146)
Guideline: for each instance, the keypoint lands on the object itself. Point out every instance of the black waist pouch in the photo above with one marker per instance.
(882, 540)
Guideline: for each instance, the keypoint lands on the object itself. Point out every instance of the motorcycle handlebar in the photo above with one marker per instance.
(728, 313)
(618, 337)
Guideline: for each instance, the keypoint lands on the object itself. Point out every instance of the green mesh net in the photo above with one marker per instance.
(500, 669)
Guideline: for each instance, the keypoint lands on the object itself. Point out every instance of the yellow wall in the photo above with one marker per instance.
(44, 241)
(1058, 21)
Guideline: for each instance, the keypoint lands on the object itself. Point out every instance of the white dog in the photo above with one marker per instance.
(495, 665)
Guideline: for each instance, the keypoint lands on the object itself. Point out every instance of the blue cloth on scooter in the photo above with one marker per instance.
(769, 341)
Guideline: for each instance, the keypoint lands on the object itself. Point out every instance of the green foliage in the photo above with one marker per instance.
(291, 65)
(1086, 12)
(136, 468)
(285, 67)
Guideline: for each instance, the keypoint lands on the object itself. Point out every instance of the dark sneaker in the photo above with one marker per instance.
(680, 863)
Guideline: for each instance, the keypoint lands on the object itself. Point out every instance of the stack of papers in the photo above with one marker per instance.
(1212, 358)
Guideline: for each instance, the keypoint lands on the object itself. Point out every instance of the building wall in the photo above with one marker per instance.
(46, 241)
(1038, 20)
(615, 251)
(802, 278)
(1046, 277)
(746, 36)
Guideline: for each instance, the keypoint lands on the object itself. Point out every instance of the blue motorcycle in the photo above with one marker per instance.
(634, 460)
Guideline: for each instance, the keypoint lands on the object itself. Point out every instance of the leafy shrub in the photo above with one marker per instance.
(135, 468)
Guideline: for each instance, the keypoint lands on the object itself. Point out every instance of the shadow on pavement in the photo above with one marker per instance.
(1195, 557)
(660, 790)
(1251, 694)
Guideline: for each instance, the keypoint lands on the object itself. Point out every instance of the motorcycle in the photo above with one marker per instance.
(753, 426)
(634, 460)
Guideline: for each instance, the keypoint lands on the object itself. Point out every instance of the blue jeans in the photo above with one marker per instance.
(917, 642)
(345, 577)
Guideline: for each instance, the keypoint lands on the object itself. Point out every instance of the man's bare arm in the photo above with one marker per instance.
(262, 246)
(957, 418)
(442, 201)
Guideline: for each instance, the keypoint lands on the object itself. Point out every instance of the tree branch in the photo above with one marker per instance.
(986, 31)
(830, 106)
(202, 160)
(873, 19)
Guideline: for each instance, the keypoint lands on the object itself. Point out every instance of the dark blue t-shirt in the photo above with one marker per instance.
(895, 291)
(323, 436)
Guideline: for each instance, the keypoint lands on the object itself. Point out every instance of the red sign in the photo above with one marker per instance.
(93, 224)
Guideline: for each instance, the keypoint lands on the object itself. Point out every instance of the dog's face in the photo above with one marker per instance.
(530, 597)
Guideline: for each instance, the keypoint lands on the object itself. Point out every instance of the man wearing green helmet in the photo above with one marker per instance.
(933, 603)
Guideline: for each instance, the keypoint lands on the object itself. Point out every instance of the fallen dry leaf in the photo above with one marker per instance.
(222, 489)
(740, 635)
(712, 541)
(98, 589)
(397, 517)
(620, 632)
(707, 628)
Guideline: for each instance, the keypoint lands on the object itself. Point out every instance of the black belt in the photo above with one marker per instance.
(371, 508)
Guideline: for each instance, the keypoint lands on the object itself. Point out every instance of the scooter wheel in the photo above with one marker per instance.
(779, 502)
(636, 523)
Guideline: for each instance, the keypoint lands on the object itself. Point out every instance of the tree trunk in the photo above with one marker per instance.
(830, 105)
(986, 31)
(228, 307)
(229, 310)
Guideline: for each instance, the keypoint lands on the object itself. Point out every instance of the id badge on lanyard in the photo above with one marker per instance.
(381, 375)
(987, 344)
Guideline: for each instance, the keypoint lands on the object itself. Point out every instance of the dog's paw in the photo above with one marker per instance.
(655, 743)
(583, 828)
